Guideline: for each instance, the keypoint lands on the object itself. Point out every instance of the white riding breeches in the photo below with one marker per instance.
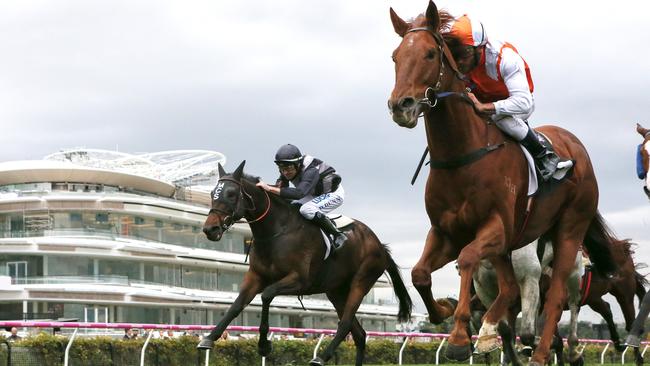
(514, 125)
(324, 203)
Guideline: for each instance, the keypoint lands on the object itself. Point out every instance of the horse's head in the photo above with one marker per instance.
(419, 65)
(643, 161)
(227, 203)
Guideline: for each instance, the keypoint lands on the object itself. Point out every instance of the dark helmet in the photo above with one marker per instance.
(288, 154)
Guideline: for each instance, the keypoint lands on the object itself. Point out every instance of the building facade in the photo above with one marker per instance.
(101, 236)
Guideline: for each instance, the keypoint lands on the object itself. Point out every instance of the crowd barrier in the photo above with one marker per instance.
(406, 336)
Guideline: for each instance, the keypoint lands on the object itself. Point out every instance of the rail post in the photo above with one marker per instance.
(320, 340)
(440, 349)
(67, 348)
(144, 347)
(401, 350)
(602, 354)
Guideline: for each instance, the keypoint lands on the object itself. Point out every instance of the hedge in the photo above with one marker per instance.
(47, 350)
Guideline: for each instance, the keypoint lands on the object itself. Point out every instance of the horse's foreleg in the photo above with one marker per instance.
(498, 311)
(436, 253)
(603, 308)
(289, 285)
(251, 286)
(489, 242)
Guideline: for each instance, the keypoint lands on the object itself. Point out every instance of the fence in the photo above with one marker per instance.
(405, 336)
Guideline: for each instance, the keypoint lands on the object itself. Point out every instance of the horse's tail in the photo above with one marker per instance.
(598, 241)
(641, 281)
(405, 302)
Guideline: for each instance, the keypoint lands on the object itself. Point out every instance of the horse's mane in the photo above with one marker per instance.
(253, 179)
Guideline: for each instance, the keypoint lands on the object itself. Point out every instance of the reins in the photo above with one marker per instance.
(434, 93)
(243, 192)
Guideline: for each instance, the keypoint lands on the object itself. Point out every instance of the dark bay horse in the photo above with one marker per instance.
(287, 259)
(643, 158)
(476, 191)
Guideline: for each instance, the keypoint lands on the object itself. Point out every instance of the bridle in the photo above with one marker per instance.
(229, 218)
(432, 93)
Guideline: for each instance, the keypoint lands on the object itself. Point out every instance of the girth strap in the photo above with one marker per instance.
(464, 159)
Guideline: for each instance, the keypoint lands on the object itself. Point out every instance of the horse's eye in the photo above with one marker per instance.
(431, 54)
(393, 58)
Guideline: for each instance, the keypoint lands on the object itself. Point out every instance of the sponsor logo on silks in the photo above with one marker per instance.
(217, 191)
(321, 198)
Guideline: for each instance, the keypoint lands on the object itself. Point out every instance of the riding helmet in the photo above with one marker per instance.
(288, 154)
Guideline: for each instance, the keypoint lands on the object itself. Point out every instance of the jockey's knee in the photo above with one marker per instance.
(308, 211)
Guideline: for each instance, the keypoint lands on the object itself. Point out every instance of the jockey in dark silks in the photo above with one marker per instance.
(313, 185)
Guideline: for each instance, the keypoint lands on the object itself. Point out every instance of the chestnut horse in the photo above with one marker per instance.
(287, 259)
(476, 191)
(643, 158)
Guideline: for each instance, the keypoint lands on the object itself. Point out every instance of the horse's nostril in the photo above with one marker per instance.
(407, 103)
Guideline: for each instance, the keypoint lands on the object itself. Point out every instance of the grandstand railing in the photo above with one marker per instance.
(406, 336)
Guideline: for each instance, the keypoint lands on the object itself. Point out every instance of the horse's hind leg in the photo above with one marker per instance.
(358, 334)
(436, 253)
(251, 286)
(573, 286)
(565, 250)
(603, 308)
(358, 290)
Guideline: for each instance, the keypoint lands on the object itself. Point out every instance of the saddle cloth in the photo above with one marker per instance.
(340, 221)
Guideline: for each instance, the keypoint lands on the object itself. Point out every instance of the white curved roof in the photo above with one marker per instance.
(180, 167)
(35, 171)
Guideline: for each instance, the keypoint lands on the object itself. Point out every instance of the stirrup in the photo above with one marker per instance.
(338, 240)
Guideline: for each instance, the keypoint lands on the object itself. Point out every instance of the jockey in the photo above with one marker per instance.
(312, 184)
(501, 86)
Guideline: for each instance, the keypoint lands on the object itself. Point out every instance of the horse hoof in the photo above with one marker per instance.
(577, 362)
(526, 351)
(265, 348)
(487, 344)
(205, 344)
(533, 363)
(458, 353)
(317, 362)
(632, 341)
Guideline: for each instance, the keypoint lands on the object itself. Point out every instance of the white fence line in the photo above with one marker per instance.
(322, 332)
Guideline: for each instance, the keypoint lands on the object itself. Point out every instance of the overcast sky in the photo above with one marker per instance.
(243, 78)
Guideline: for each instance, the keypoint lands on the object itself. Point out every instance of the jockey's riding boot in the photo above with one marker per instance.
(546, 159)
(330, 229)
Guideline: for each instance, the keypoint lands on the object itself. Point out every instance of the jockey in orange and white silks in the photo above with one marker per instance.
(501, 85)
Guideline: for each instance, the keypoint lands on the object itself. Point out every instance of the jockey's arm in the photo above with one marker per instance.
(308, 181)
(513, 72)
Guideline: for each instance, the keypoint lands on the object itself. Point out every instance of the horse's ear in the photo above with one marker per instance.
(222, 172)
(433, 19)
(399, 25)
(236, 175)
(642, 131)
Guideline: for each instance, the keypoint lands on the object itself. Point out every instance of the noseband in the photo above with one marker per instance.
(431, 93)
(229, 220)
